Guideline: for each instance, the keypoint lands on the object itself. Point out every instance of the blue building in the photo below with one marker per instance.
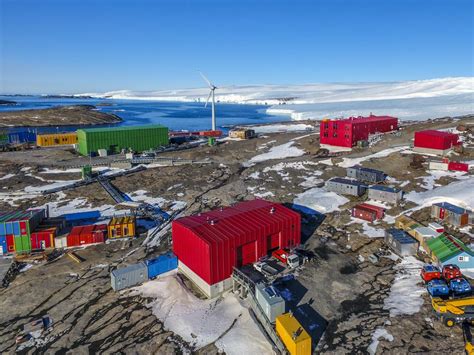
(447, 249)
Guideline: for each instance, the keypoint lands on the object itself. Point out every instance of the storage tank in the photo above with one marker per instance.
(129, 276)
(270, 301)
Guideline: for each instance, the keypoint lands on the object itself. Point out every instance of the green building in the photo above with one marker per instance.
(114, 139)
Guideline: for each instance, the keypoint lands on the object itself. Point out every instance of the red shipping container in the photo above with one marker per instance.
(364, 213)
(84, 235)
(43, 239)
(347, 132)
(210, 133)
(212, 243)
(10, 243)
(380, 211)
(455, 166)
(433, 139)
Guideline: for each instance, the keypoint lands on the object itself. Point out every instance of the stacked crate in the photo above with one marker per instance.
(16, 228)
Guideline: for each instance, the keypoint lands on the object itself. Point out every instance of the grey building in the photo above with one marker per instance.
(270, 301)
(451, 214)
(346, 186)
(385, 194)
(129, 276)
(365, 174)
(400, 242)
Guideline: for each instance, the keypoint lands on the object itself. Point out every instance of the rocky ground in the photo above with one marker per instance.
(339, 290)
(57, 116)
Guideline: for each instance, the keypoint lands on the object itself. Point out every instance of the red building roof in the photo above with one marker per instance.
(212, 243)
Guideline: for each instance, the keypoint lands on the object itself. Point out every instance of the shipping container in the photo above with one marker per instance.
(22, 244)
(379, 211)
(436, 142)
(161, 264)
(292, 334)
(364, 213)
(347, 132)
(365, 174)
(122, 227)
(43, 239)
(48, 140)
(270, 300)
(456, 166)
(212, 243)
(403, 222)
(346, 186)
(210, 133)
(60, 242)
(436, 165)
(22, 137)
(399, 241)
(81, 216)
(114, 139)
(242, 133)
(3, 245)
(84, 235)
(129, 276)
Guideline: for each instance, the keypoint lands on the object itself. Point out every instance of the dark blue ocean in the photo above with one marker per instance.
(175, 115)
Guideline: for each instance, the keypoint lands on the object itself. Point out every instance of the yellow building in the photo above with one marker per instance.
(49, 140)
(121, 227)
(292, 334)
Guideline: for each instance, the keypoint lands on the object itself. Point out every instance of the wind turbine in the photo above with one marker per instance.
(213, 103)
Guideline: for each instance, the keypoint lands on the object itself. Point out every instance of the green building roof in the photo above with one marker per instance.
(445, 247)
(121, 128)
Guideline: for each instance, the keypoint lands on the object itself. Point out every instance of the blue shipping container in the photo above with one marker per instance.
(161, 264)
(3, 245)
(21, 137)
(69, 217)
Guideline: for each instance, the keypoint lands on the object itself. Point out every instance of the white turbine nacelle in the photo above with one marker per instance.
(213, 102)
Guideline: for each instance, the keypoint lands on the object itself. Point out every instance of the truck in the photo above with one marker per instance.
(455, 311)
(287, 258)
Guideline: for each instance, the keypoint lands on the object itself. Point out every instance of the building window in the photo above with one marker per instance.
(463, 259)
(346, 136)
(326, 125)
(325, 134)
(334, 134)
(334, 125)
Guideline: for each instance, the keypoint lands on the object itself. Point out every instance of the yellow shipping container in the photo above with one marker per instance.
(49, 140)
(295, 338)
(242, 133)
(121, 227)
(403, 222)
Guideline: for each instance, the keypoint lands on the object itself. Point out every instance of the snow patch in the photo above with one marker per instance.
(320, 200)
(278, 152)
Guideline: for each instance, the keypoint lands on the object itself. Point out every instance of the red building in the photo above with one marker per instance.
(435, 142)
(83, 235)
(209, 245)
(347, 132)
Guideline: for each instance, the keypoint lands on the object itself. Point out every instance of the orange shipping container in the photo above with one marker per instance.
(121, 227)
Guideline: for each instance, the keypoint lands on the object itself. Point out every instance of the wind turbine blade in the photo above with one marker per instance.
(207, 101)
(206, 79)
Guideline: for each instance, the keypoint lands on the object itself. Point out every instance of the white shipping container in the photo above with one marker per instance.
(436, 165)
(60, 242)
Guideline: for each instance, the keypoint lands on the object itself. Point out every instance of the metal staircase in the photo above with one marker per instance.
(247, 286)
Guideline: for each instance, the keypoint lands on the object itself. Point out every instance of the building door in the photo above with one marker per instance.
(273, 242)
(10, 243)
(441, 213)
(247, 254)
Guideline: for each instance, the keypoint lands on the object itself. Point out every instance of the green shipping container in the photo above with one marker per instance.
(114, 139)
(22, 244)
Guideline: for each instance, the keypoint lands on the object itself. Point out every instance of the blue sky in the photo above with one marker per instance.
(71, 46)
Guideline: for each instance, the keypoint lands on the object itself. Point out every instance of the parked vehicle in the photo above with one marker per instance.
(459, 286)
(451, 271)
(452, 312)
(292, 260)
(430, 272)
(264, 268)
(437, 288)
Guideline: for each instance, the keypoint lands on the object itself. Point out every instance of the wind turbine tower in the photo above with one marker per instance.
(212, 88)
